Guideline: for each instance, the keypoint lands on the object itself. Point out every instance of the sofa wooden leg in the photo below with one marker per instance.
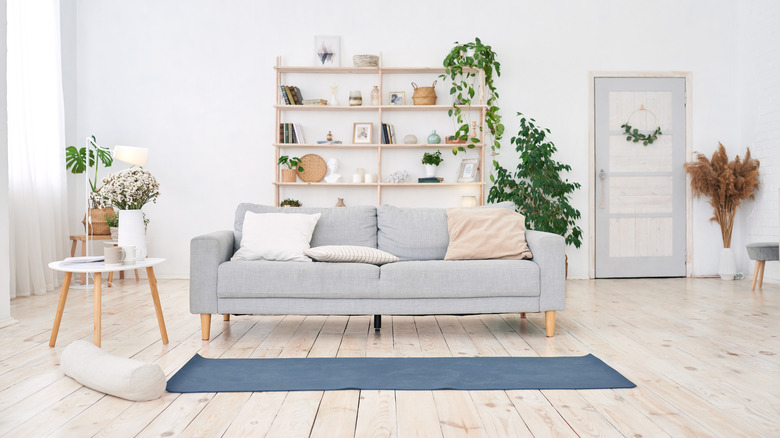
(377, 322)
(522, 315)
(761, 275)
(549, 322)
(226, 317)
(755, 274)
(205, 326)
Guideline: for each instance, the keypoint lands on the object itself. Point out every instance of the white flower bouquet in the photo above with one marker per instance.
(130, 189)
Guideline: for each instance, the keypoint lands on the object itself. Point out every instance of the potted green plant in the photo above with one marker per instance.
(536, 187)
(430, 161)
(112, 220)
(461, 67)
(77, 161)
(293, 166)
(289, 202)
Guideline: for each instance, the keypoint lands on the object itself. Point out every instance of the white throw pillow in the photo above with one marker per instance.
(350, 254)
(276, 236)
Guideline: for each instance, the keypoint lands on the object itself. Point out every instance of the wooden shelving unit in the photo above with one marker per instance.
(280, 109)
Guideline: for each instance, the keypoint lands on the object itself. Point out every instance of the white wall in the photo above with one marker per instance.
(193, 82)
(760, 108)
(5, 244)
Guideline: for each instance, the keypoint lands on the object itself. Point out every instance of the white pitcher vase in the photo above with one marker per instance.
(132, 231)
(727, 268)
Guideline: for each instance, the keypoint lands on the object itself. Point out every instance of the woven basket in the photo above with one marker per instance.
(424, 95)
(99, 226)
(366, 60)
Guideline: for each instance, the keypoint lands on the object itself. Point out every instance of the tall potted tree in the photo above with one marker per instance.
(536, 187)
(727, 184)
(77, 160)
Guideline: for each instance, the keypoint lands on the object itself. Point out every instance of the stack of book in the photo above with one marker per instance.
(388, 134)
(430, 179)
(290, 133)
(315, 102)
(291, 95)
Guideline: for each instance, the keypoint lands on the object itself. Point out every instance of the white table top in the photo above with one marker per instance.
(101, 266)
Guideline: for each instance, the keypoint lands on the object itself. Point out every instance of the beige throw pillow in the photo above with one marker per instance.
(486, 233)
(350, 254)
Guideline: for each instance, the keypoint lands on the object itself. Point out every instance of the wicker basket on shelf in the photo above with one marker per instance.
(424, 95)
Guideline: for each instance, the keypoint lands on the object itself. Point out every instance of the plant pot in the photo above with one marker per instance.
(99, 227)
(727, 268)
(430, 170)
(289, 175)
(132, 231)
(114, 233)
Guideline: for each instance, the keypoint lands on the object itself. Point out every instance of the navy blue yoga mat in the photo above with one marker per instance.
(395, 373)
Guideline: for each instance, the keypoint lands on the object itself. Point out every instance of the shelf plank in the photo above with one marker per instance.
(323, 184)
(370, 146)
(364, 70)
(375, 108)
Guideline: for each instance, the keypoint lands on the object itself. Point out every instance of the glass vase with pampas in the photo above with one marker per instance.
(727, 184)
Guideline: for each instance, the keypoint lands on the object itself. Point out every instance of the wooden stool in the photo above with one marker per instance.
(762, 252)
(76, 238)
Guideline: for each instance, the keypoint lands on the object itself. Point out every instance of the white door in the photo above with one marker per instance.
(640, 190)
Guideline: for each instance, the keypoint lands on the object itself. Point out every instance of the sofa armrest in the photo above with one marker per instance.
(549, 252)
(207, 252)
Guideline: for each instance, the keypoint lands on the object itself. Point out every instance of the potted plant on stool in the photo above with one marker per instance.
(77, 162)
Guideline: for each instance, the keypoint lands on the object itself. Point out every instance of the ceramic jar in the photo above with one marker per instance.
(434, 138)
(355, 98)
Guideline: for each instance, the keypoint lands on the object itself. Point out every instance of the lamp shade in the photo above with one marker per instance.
(131, 154)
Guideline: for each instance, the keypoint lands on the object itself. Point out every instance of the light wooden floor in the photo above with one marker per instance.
(704, 353)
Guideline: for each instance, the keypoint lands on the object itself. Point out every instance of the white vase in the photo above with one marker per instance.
(727, 268)
(132, 231)
(430, 170)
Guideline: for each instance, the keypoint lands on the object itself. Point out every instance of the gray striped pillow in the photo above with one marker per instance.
(350, 254)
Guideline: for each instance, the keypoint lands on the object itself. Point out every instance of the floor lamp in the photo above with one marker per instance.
(133, 155)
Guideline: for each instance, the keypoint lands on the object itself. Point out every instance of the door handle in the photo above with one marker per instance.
(603, 178)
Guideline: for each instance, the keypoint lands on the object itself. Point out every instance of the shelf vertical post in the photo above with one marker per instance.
(277, 121)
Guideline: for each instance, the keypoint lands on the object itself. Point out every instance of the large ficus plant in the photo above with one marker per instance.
(536, 187)
(461, 67)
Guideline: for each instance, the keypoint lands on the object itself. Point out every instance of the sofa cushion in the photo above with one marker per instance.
(276, 236)
(478, 234)
(350, 254)
(336, 226)
(416, 233)
(255, 279)
(459, 279)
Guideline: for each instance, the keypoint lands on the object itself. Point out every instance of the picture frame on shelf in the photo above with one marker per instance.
(469, 170)
(396, 98)
(327, 50)
(362, 132)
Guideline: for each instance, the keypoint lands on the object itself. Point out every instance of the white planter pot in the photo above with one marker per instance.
(727, 268)
(132, 231)
(430, 170)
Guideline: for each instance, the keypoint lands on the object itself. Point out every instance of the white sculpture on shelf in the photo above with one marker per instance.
(398, 176)
(333, 167)
(333, 101)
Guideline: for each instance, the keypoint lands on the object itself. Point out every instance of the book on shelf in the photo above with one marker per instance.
(430, 179)
(315, 102)
(298, 133)
(388, 134)
(328, 141)
(384, 133)
(283, 92)
(392, 134)
(288, 92)
(296, 95)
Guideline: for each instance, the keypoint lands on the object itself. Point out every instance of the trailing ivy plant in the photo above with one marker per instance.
(537, 188)
(461, 66)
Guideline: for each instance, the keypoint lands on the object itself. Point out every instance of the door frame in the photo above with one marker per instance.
(592, 157)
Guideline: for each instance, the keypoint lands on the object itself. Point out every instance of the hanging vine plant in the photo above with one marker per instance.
(461, 67)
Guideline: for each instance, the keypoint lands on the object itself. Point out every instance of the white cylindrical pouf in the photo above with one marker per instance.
(129, 379)
(132, 231)
(727, 267)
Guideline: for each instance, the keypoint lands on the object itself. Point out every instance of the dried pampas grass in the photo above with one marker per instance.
(726, 183)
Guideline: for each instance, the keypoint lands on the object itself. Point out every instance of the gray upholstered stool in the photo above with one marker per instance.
(762, 252)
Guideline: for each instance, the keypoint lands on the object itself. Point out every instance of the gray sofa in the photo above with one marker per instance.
(422, 282)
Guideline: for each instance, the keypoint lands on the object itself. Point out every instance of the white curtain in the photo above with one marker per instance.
(36, 145)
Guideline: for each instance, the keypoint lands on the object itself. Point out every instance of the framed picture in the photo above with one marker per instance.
(362, 132)
(327, 50)
(469, 170)
(397, 98)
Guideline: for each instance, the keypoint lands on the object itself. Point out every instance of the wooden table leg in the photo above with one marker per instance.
(60, 308)
(111, 278)
(157, 307)
(98, 281)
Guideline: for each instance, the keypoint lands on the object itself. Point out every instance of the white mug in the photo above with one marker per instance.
(129, 255)
(114, 256)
